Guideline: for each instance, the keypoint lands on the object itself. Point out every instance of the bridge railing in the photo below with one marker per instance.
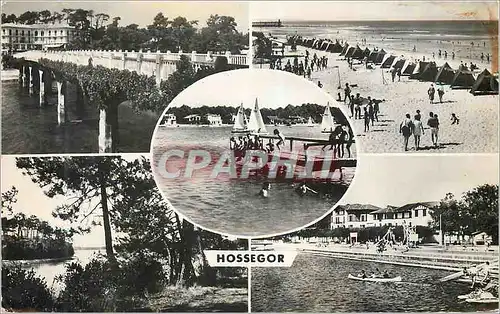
(159, 64)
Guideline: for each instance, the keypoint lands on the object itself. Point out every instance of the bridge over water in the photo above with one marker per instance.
(157, 64)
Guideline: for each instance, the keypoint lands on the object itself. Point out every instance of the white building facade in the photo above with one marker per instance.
(21, 37)
(214, 119)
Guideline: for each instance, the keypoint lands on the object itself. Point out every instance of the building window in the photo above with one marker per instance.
(10, 32)
(22, 33)
(36, 33)
(416, 212)
(42, 33)
(17, 32)
(49, 33)
(362, 226)
(424, 212)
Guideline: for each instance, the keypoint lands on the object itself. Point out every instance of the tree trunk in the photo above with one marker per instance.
(185, 267)
(105, 217)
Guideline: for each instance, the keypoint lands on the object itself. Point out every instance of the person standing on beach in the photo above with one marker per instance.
(454, 119)
(430, 92)
(351, 105)
(320, 85)
(347, 92)
(371, 111)
(445, 54)
(405, 128)
(418, 130)
(433, 123)
(393, 74)
(419, 115)
(441, 93)
(366, 117)
(376, 109)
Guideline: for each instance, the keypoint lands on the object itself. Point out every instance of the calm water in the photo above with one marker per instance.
(27, 128)
(49, 270)
(231, 205)
(320, 284)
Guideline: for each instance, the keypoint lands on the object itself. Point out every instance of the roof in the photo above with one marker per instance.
(357, 207)
(388, 209)
(36, 26)
(191, 116)
(409, 207)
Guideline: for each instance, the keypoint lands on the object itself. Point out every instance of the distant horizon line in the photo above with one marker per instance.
(380, 20)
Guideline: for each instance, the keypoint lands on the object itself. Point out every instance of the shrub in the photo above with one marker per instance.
(22, 290)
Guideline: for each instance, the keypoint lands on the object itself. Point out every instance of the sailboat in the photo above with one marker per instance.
(327, 124)
(310, 122)
(240, 121)
(256, 123)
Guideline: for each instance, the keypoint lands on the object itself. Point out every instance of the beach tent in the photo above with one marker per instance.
(419, 68)
(429, 73)
(445, 74)
(399, 64)
(334, 47)
(366, 52)
(315, 43)
(373, 56)
(462, 80)
(388, 62)
(344, 50)
(324, 45)
(380, 56)
(408, 68)
(349, 52)
(486, 84)
(357, 53)
(308, 43)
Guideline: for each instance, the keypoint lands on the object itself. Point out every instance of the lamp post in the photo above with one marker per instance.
(441, 230)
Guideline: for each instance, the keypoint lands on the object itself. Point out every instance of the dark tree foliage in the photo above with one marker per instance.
(22, 290)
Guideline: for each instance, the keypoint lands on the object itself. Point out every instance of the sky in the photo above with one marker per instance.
(397, 180)
(273, 89)
(373, 10)
(141, 12)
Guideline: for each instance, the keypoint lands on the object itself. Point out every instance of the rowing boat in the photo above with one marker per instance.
(395, 279)
(485, 300)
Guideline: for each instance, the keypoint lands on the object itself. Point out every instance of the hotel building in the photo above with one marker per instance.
(21, 37)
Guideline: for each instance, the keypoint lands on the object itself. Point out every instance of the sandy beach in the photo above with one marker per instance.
(477, 131)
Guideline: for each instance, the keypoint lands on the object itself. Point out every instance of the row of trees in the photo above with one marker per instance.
(28, 237)
(475, 211)
(305, 111)
(94, 32)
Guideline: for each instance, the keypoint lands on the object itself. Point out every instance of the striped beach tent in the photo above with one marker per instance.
(336, 47)
(366, 52)
(418, 69)
(485, 84)
(324, 45)
(349, 52)
(399, 64)
(387, 63)
(445, 74)
(380, 56)
(357, 53)
(344, 50)
(408, 68)
(373, 56)
(462, 80)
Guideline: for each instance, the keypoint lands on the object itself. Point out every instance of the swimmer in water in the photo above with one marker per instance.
(302, 189)
(264, 192)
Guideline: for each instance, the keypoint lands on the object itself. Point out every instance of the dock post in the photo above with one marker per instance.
(61, 106)
(30, 84)
(108, 129)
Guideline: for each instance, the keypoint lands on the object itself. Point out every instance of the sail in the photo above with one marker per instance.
(327, 122)
(310, 121)
(240, 119)
(256, 123)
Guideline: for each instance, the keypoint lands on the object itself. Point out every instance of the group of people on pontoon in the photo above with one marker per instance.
(246, 142)
(301, 189)
(377, 274)
(340, 140)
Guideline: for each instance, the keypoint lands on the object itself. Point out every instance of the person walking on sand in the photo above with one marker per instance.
(433, 123)
(366, 117)
(347, 92)
(441, 93)
(405, 128)
(430, 92)
(418, 130)
(419, 115)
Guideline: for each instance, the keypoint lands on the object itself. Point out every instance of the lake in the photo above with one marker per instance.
(320, 284)
(231, 206)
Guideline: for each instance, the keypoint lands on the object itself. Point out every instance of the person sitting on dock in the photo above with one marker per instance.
(332, 139)
(270, 146)
(302, 189)
(281, 138)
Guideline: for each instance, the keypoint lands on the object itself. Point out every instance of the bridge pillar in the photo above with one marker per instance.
(108, 129)
(42, 88)
(80, 101)
(159, 63)
(30, 84)
(21, 75)
(139, 62)
(124, 59)
(61, 105)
